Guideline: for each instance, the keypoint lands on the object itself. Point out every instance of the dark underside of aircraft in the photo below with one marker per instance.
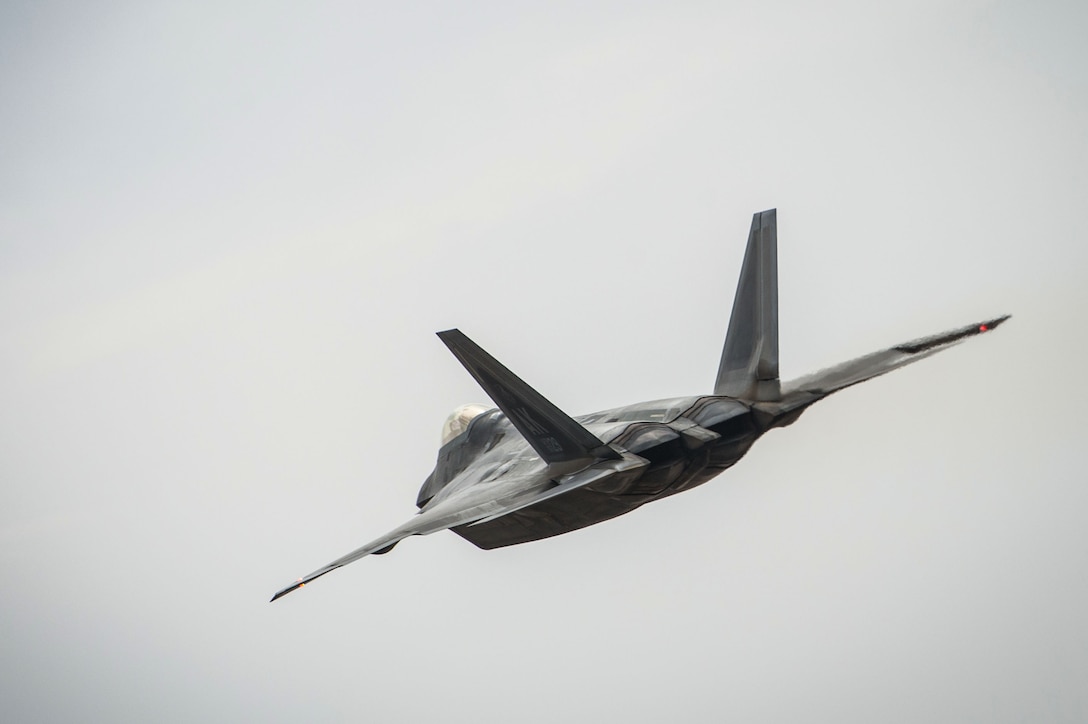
(525, 470)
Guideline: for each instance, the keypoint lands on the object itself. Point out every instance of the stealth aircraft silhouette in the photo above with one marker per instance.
(526, 470)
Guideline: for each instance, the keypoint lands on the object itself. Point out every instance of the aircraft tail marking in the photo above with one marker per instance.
(749, 364)
(554, 435)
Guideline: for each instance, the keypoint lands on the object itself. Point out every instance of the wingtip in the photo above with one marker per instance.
(947, 338)
(993, 323)
(284, 592)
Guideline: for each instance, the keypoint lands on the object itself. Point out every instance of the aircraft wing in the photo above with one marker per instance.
(857, 370)
(373, 548)
(472, 507)
(424, 523)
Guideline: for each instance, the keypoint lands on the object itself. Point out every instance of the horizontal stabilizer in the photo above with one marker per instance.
(844, 375)
(554, 435)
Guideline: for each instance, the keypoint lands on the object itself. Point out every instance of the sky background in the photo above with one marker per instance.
(228, 232)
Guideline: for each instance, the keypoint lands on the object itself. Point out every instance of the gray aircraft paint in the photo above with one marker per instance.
(528, 471)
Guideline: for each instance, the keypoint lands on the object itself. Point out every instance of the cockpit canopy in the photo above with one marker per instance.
(459, 419)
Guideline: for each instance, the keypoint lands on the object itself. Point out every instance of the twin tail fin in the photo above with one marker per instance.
(554, 435)
(749, 363)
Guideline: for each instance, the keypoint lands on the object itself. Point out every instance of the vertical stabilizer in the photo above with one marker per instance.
(749, 366)
(554, 435)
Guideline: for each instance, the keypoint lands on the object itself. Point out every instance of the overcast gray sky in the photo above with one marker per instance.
(229, 231)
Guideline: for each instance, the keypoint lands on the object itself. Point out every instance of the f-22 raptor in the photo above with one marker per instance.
(526, 470)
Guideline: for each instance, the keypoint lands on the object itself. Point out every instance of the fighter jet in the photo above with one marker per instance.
(525, 470)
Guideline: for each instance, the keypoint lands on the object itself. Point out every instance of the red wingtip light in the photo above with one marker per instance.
(983, 328)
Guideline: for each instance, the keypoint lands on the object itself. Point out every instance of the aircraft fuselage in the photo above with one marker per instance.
(684, 442)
